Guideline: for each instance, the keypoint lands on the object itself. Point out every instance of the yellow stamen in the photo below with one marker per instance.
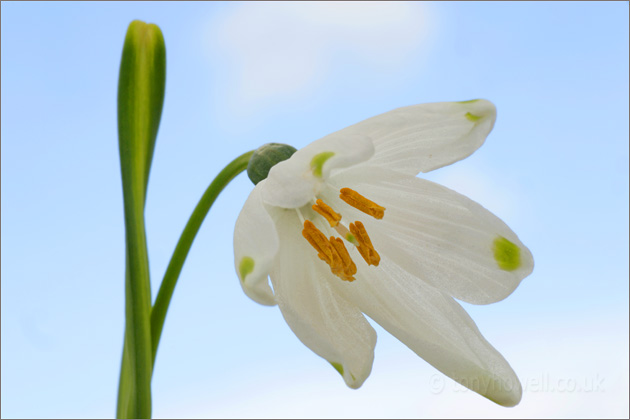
(348, 266)
(335, 263)
(318, 240)
(332, 251)
(359, 202)
(366, 249)
(328, 213)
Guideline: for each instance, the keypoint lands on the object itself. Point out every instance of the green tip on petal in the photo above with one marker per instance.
(506, 254)
(317, 163)
(245, 267)
(338, 367)
(472, 101)
(472, 117)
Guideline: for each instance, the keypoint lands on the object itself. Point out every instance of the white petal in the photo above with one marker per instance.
(421, 138)
(324, 321)
(295, 181)
(438, 235)
(255, 246)
(435, 327)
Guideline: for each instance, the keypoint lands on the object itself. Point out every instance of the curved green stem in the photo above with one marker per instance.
(163, 300)
(126, 391)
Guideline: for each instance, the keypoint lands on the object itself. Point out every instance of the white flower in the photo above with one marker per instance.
(345, 228)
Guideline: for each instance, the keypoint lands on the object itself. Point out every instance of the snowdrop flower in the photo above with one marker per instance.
(344, 228)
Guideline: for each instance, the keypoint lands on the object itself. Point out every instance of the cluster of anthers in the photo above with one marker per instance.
(333, 250)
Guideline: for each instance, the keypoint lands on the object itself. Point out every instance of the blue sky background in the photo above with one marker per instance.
(555, 168)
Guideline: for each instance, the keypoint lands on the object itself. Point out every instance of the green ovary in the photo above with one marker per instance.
(317, 163)
(245, 267)
(506, 254)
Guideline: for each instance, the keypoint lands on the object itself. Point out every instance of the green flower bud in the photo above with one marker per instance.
(265, 157)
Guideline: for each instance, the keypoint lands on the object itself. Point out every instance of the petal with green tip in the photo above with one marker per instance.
(323, 320)
(255, 246)
(295, 181)
(421, 138)
(442, 237)
(435, 327)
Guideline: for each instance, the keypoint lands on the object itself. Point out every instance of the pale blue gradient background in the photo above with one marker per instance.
(555, 168)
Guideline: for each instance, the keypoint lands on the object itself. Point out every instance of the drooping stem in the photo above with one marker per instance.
(126, 390)
(163, 300)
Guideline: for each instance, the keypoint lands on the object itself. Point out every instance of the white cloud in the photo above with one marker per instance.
(281, 50)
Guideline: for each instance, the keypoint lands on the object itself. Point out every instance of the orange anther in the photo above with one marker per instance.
(361, 203)
(328, 213)
(349, 268)
(366, 249)
(318, 240)
(332, 251)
